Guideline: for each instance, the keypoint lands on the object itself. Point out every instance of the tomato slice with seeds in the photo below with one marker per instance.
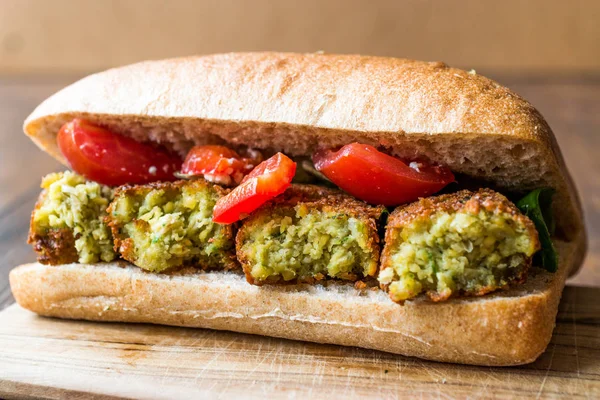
(112, 159)
(219, 164)
(377, 178)
(267, 181)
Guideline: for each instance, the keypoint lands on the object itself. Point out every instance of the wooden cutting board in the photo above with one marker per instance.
(49, 358)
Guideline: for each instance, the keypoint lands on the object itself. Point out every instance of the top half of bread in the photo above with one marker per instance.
(297, 103)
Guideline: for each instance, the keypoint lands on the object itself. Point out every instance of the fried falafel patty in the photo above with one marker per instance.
(67, 224)
(169, 224)
(308, 234)
(462, 243)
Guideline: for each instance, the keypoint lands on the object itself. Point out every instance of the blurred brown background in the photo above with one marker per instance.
(511, 36)
(546, 50)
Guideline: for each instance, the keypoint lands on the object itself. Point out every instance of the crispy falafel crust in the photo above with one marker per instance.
(464, 200)
(486, 199)
(504, 328)
(314, 198)
(57, 246)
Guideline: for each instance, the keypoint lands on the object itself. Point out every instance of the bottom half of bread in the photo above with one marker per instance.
(506, 328)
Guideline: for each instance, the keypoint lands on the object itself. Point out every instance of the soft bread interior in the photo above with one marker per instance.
(496, 158)
(297, 103)
(505, 328)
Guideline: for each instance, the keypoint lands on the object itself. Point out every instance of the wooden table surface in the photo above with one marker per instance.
(58, 359)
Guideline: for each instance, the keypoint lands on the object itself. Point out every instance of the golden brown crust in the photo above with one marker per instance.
(296, 103)
(425, 208)
(132, 190)
(322, 198)
(55, 246)
(506, 328)
(487, 199)
(317, 198)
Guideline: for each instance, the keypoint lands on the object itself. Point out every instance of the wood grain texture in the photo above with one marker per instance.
(59, 359)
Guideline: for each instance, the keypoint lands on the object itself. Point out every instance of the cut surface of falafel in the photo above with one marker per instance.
(307, 234)
(67, 224)
(464, 243)
(166, 225)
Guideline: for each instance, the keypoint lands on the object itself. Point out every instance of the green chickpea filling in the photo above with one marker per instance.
(457, 252)
(299, 242)
(171, 226)
(70, 202)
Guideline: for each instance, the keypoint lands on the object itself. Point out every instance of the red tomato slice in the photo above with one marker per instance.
(220, 163)
(378, 178)
(112, 159)
(210, 159)
(267, 181)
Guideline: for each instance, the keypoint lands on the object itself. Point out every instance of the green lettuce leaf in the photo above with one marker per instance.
(537, 206)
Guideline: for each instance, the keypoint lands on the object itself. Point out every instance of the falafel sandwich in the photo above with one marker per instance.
(390, 204)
